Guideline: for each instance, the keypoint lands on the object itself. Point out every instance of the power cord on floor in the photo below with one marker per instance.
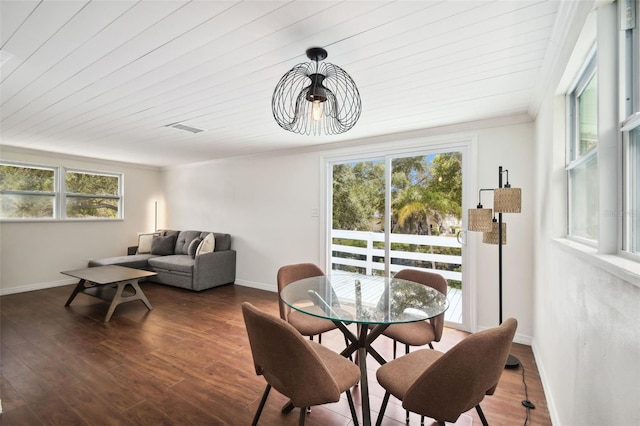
(525, 402)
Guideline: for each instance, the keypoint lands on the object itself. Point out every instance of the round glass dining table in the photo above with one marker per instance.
(372, 303)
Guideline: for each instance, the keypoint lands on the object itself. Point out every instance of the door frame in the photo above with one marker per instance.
(464, 143)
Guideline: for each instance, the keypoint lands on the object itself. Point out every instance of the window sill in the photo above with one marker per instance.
(623, 268)
(50, 220)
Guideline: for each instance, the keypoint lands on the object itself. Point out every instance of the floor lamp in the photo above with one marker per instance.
(494, 231)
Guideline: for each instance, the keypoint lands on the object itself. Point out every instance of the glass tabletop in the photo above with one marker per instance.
(364, 299)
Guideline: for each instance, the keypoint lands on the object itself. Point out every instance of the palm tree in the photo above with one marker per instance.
(418, 203)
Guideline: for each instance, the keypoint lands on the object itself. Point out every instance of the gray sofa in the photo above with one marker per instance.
(178, 266)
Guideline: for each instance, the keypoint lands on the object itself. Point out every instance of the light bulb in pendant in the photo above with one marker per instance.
(316, 111)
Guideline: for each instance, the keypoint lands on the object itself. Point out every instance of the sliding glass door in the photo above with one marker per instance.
(398, 211)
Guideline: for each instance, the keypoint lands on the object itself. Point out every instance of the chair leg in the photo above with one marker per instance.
(320, 338)
(421, 420)
(483, 419)
(352, 408)
(303, 415)
(407, 417)
(383, 408)
(288, 408)
(261, 406)
(395, 344)
(406, 352)
(430, 345)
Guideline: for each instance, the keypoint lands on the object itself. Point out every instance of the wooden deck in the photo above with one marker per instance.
(454, 313)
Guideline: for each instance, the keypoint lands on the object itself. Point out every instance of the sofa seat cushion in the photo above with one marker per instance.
(177, 262)
(137, 261)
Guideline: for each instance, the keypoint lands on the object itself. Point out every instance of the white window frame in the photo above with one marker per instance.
(54, 193)
(630, 112)
(67, 195)
(60, 195)
(574, 160)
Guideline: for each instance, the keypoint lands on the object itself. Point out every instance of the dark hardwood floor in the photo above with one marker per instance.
(186, 362)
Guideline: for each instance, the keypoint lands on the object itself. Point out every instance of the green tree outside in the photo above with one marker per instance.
(425, 191)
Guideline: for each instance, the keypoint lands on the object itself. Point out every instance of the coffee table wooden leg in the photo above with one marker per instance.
(140, 295)
(74, 293)
(118, 297)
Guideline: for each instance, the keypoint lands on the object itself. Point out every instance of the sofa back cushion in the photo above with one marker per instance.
(183, 241)
(193, 247)
(223, 241)
(163, 245)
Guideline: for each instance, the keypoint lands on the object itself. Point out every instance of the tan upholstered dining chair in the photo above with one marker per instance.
(307, 325)
(304, 371)
(422, 332)
(445, 385)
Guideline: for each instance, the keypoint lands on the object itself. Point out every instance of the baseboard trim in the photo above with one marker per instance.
(551, 406)
(37, 286)
(51, 284)
(518, 338)
(259, 286)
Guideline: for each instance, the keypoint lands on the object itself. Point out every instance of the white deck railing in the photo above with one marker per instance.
(342, 255)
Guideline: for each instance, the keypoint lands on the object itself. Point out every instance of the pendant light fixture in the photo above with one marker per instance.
(316, 98)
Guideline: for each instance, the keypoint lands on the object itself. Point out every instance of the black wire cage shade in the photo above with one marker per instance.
(316, 98)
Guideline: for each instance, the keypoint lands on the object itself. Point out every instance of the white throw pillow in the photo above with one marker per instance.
(144, 242)
(207, 245)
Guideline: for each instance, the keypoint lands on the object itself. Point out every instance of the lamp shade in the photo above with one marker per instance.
(507, 200)
(316, 98)
(492, 236)
(479, 220)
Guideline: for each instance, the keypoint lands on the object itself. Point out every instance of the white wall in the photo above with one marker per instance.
(265, 203)
(32, 254)
(510, 147)
(586, 315)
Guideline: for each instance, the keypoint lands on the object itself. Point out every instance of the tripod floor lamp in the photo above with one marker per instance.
(494, 230)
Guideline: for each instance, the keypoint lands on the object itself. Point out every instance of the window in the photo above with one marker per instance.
(630, 64)
(33, 192)
(27, 192)
(582, 165)
(633, 178)
(91, 195)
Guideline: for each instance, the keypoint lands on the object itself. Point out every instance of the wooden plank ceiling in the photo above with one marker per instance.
(103, 78)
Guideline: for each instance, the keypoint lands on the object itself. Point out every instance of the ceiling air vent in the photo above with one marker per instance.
(185, 127)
